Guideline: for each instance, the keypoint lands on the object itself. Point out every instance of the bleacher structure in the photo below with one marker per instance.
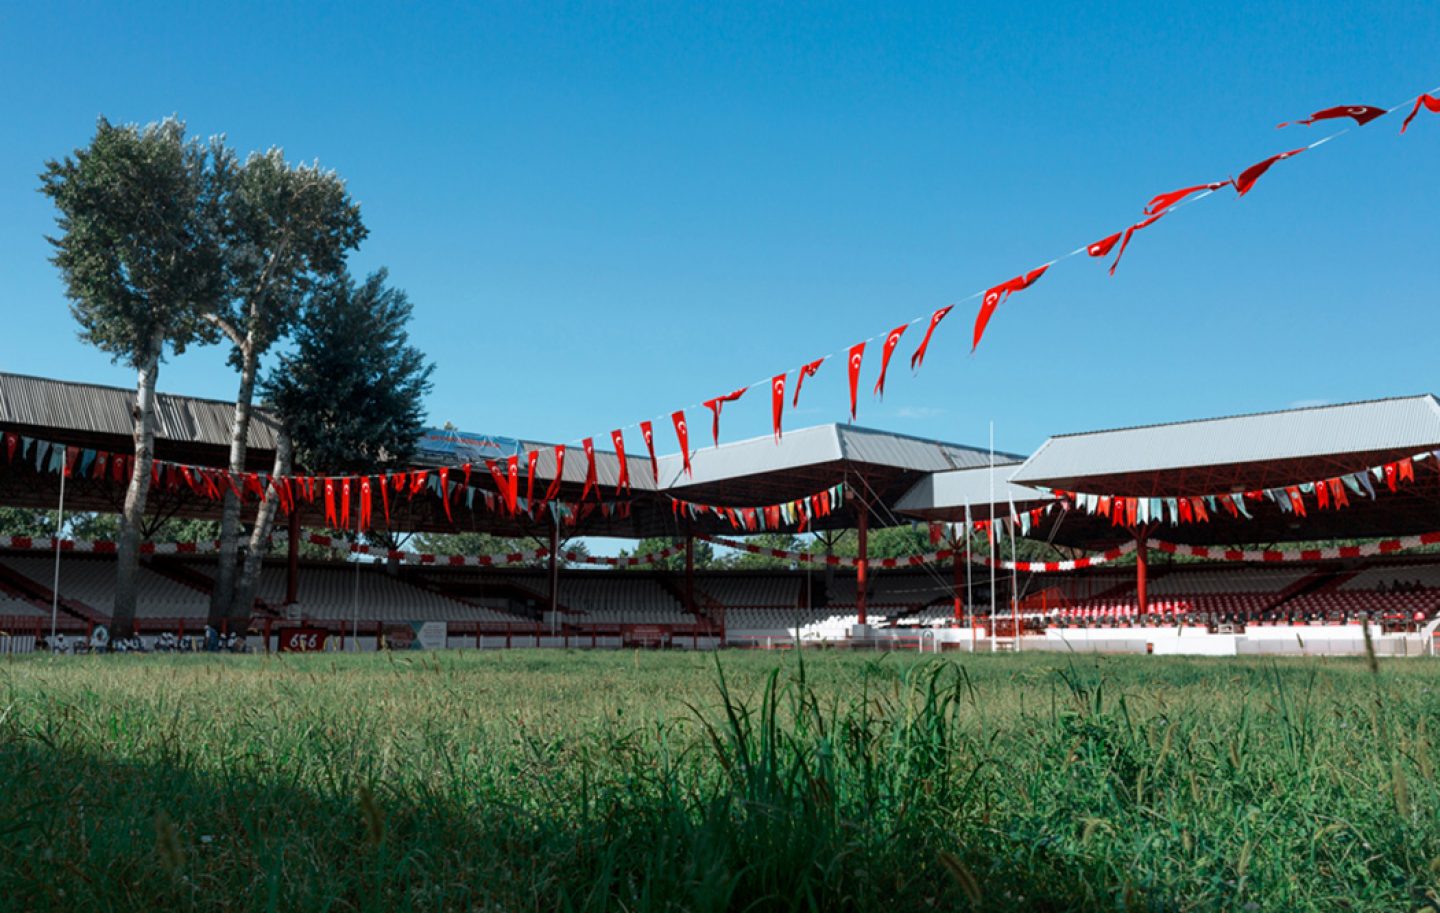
(887, 480)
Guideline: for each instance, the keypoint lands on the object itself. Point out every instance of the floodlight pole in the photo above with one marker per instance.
(59, 528)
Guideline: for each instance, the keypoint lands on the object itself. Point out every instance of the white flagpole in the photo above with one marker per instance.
(969, 589)
(1014, 577)
(59, 533)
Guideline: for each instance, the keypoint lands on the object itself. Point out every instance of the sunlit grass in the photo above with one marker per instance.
(624, 781)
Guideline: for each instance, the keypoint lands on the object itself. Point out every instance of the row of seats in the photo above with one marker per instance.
(91, 580)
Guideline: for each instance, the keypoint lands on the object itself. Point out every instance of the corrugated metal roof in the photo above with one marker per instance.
(816, 446)
(95, 409)
(1402, 423)
(951, 491)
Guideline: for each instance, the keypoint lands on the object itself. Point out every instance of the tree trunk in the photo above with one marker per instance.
(249, 580)
(127, 559)
(222, 597)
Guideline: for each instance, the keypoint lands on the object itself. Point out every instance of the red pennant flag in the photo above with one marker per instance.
(1103, 246)
(401, 480)
(12, 440)
(647, 431)
(1390, 473)
(1166, 200)
(918, 358)
(715, 405)
(331, 520)
(1250, 175)
(999, 293)
(1407, 469)
(1431, 103)
(891, 341)
(531, 460)
(590, 480)
(418, 478)
(777, 401)
(1186, 514)
(805, 371)
(1129, 232)
(345, 502)
(1338, 494)
(365, 503)
(1296, 501)
(622, 483)
(385, 500)
(554, 488)
(682, 432)
(1362, 115)
(512, 484)
(1322, 490)
(857, 353)
(1197, 507)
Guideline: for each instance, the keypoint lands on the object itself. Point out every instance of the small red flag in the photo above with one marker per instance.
(682, 433)
(532, 459)
(384, 500)
(1431, 103)
(647, 431)
(331, 519)
(918, 358)
(554, 487)
(1125, 241)
(1249, 176)
(805, 371)
(365, 502)
(617, 437)
(345, 501)
(1103, 246)
(891, 341)
(857, 353)
(777, 401)
(1166, 200)
(590, 479)
(715, 405)
(512, 484)
(999, 293)
(1362, 115)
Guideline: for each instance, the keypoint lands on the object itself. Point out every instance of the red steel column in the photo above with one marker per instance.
(956, 582)
(1141, 568)
(862, 531)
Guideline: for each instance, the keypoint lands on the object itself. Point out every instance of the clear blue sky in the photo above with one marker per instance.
(604, 212)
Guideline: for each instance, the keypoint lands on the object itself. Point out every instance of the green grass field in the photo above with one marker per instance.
(633, 782)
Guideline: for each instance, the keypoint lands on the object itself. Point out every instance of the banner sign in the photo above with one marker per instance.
(447, 447)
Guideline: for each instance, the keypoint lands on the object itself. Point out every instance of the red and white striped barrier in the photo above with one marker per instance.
(947, 554)
(1368, 550)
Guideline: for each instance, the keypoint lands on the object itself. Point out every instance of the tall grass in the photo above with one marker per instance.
(638, 782)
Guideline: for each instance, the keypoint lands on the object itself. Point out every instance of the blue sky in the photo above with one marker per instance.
(606, 212)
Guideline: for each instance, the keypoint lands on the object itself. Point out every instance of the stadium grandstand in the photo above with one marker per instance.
(1263, 598)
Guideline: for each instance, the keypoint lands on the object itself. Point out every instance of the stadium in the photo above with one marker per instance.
(1164, 582)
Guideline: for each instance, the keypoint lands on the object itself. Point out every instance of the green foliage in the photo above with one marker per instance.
(140, 249)
(107, 526)
(645, 782)
(21, 521)
(748, 561)
(351, 393)
(704, 554)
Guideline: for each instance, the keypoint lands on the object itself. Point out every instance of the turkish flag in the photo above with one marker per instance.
(1164, 201)
(1361, 114)
(805, 371)
(1103, 246)
(891, 341)
(332, 519)
(1407, 469)
(532, 459)
(1431, 103)
(345, 502)
(365, 502)
(554, 488)
(919, 357)
(1125, 239)
(777, 401)
(384, 499)
(512, 484)
(647, 431)
(715, 405)
(617, 437)
(444, 473)
(999, 293)
(590, 479)
(857, 353)
(1250, 175)
(682, 432)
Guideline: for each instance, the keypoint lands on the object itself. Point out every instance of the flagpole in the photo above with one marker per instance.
(55, 584)
(992, 536)
(969, 589)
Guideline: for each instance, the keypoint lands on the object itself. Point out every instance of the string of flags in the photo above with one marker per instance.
(507, 474)
(1331, 493)
(799, 513)
(944, 554)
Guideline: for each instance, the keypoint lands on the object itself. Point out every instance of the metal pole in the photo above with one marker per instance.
(59, 529)
(991, 532)
(554, 567)
(1014, 579)
(355, 609)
